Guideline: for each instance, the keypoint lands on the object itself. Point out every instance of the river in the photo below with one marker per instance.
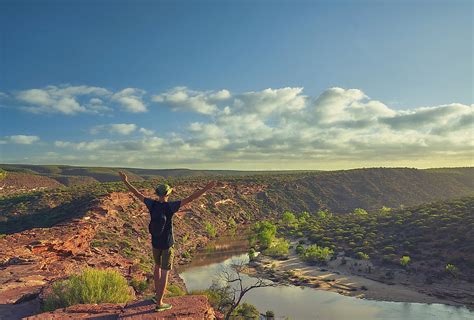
(302, 303)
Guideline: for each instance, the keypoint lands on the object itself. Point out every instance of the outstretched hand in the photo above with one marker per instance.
(123, 176)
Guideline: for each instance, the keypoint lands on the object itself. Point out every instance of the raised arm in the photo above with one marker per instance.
(130, 187)
(198, 193)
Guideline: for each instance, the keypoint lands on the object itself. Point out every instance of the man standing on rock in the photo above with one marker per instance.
(161, 229)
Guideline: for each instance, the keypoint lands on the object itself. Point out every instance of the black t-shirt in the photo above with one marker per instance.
(161, 223)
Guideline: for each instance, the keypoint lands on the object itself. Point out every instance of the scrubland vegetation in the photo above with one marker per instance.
(436, 238)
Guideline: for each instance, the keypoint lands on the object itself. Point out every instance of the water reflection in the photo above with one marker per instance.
(221, 249)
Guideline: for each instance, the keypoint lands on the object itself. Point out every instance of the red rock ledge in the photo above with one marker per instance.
(185, 307)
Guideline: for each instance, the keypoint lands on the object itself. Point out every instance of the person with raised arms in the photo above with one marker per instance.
(161, 230)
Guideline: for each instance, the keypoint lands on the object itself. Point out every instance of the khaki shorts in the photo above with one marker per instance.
(164, 258)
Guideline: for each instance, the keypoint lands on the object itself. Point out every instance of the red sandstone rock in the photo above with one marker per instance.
(186, 307)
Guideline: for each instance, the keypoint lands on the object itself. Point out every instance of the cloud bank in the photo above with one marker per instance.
(72, 100)
(271, 128)
(19, 139)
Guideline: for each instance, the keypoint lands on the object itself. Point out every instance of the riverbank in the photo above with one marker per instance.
(351, 277)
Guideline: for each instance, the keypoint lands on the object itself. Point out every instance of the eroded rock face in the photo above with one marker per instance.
(112, 233)
(186, 307)
(31, 259)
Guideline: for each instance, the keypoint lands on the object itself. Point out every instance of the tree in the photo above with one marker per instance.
(234, 285)
(265, 232)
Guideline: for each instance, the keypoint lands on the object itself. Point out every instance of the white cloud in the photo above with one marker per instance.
(116, 128)
(62, 99)
(428, 116)
(84, 145)
(131, 100)
(146, 132)
(183, 99)
(72, 100)
(271, 101)
(286, 126)
(19, 139)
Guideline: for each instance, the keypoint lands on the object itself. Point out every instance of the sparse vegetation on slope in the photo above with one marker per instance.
(424, 238)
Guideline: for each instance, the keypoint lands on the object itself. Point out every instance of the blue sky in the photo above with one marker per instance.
(376, 83)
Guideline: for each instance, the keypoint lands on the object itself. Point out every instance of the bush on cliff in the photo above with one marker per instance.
(245, 311)
(90, 286)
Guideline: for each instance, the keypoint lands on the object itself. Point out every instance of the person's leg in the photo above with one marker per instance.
(167, 263)
(157, 276)
(162, 283)
(157, 257)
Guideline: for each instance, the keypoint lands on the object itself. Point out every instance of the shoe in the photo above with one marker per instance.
(163, 307)
(153, 299)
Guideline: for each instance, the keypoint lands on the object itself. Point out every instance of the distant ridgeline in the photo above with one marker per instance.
(57, 193)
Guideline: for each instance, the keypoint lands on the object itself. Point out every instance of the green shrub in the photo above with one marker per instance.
(174, 291)
(299, 249)
(360, 212)
(452, 270)
(251, 254)
(3, 174)
(289, 219)
(245, 311)
(362, 256)
(322, 214)
(385, 210)
(185, 238)
(279, 248)
(210, 229)
(90, 286)
(404, 261)
(232, 223)
(315, 253)
(304, 217)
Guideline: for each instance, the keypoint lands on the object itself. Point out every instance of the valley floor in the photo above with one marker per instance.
(352, 280)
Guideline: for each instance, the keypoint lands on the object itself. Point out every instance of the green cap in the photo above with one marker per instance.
(163, 190)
